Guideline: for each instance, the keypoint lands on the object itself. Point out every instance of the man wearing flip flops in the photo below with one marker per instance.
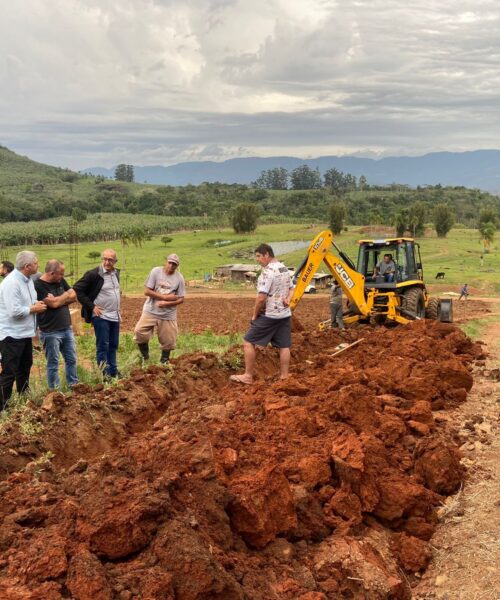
(272, 318)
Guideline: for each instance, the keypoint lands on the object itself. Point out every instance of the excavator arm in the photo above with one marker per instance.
(341, 268)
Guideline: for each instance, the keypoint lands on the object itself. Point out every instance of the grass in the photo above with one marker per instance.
(476, 329)
(128, 355)
(457, 255)
(128, 359)
(198, 255)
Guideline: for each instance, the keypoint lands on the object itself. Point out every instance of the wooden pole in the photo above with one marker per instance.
(347, 347)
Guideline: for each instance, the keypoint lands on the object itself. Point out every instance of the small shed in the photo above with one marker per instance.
(322, 280)
(236, 272)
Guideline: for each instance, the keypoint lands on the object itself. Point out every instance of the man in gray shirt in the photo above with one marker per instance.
(98, 292)
(165, 290)
(336, 306)
(386, 268)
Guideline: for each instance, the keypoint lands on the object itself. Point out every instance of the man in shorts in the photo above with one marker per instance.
(165, 290)
(272, 318)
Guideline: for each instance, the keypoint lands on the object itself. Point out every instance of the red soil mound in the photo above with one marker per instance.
(187, 487)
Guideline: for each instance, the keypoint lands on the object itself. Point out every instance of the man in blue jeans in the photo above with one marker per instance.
(98, 291)
(56, 333)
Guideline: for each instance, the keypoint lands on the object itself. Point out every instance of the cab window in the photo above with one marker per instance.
(401, 263)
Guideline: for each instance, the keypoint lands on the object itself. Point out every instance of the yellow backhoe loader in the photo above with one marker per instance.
(370, 295)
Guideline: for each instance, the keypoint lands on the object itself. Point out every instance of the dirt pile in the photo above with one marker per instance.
(186, 487)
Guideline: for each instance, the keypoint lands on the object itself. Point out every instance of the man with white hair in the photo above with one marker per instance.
(18, 309)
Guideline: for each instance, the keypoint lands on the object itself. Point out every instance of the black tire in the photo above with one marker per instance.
(413, 302)
(432, 310)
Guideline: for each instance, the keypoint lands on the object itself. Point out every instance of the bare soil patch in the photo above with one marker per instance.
(228, 314)
(223, 314)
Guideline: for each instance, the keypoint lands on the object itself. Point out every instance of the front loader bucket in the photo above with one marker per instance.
(446, 310)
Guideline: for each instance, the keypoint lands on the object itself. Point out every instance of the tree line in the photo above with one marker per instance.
(310, 200)
(306, 178)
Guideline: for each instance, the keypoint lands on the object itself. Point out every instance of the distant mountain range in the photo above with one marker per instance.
(476, 169)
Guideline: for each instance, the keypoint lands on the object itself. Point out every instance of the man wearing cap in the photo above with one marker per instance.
(165, 290)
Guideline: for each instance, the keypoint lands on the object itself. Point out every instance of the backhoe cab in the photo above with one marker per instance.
(401, 298)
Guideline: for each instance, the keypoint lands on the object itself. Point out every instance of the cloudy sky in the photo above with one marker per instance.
(98, 82)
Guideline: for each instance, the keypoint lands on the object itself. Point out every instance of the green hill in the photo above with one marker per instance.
(16, 169)
(31, 191)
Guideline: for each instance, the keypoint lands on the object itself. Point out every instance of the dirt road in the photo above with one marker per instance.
(466, 545)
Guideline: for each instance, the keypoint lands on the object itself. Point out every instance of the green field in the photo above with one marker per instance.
(458, 255)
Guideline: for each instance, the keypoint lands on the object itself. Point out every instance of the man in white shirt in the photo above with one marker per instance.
(272, 318)
(18, 309)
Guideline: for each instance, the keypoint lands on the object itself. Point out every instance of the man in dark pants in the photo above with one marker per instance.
(271, 320)
(336, 306)
(98, 291)
(18, 307)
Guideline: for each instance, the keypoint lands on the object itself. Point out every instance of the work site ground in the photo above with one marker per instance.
(370, 474)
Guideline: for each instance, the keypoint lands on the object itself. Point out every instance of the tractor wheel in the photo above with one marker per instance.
(432, 310)
(413, 302)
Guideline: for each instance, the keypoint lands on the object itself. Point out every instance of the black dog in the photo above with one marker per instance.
(440, 275)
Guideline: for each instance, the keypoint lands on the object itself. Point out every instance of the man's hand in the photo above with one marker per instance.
(97, 312)
(38, 307)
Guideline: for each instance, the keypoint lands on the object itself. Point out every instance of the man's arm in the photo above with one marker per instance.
(81, 288)
(57, 301)
(167, 303)
(288, 299)
(260, 305)
(17, 308)
(150, 293)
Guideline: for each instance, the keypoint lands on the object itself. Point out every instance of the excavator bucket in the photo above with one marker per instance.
(446, 310)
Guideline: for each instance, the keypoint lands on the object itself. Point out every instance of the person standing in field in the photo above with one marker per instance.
(165, 290)
(271, 320)
(464, 292)
(56, 333)
(18, 310)
(336, 306)
(98, 291)
(6, 267)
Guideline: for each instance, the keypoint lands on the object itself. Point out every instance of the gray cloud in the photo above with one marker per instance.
(159, 81)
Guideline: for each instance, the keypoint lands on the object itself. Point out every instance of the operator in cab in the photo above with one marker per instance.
(386, 268)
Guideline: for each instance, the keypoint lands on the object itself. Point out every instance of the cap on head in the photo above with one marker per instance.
(173, 258)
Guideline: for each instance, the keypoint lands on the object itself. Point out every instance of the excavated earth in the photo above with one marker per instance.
(176, 484)
(225, 314)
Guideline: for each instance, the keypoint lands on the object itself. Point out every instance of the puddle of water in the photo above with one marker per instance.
(280, 248)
